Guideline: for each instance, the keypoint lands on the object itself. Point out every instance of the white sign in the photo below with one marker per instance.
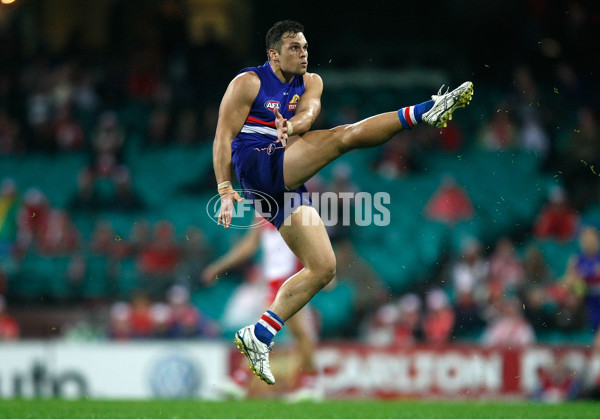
(134, 370)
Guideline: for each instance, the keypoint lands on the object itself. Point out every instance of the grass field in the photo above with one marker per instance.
(275, 409)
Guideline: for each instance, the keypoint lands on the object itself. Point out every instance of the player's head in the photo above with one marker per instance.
(287, 46)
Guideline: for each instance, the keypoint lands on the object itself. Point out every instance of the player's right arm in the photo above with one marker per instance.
(234, 110)
(240, 253)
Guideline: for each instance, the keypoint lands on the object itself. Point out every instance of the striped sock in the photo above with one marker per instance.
(267, 327)
(412, 115)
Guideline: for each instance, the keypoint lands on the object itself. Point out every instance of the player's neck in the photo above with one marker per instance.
(283, 76)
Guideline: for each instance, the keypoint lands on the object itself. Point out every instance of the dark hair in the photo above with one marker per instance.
(274, 36)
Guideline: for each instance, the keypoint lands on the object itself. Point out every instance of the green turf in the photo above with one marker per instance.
(275, 409)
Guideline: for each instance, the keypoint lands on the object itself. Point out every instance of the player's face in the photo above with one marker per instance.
(293, 57)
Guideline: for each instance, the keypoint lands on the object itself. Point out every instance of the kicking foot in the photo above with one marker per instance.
(446, 103)
(256, 352)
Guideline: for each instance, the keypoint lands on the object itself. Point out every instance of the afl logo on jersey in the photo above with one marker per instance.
(272, 105)
(293, 103)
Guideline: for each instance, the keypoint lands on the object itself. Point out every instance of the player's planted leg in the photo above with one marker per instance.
(310, 243)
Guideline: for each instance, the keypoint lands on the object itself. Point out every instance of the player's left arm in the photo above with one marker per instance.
(309, 105)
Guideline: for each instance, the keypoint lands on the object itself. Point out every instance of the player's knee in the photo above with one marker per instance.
(326, 270)
(341, 138)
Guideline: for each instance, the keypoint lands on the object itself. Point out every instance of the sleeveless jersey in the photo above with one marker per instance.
(257, 155)
(259, 128)
(589, 269)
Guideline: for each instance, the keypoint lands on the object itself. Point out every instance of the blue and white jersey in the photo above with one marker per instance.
(259, 128)
(257, 155)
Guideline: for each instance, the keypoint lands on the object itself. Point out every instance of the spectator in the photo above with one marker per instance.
(10, 135)
(468, 316)
(539, 309)
(120, 327)
(9, 213)
(87, 198)
(469, 273)
(68, 133)
(380, 327)
(9, 328)
(509, 328)
(438, 322)
(583, 274)
(103, 238)
(533, 136)
(125, 198)
(450, 203)
(525, 92)
(450, 139)
(139, 235)
(536, 291)
(161, 316)
(571, 313)
(33, 218)
(536, 269)
(557, 383)
(396, 158)
(158, 259)
(107, 145)
(506, 269)
(186, 320)
(500, 132)
(557, 220)
(408, 330)
(580, 158)
(60, 237)
(141, 316)
(85, 97)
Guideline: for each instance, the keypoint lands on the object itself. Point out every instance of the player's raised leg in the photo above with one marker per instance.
(307, 154)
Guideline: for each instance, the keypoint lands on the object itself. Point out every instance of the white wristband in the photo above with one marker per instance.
(224, 185)
(290, 128)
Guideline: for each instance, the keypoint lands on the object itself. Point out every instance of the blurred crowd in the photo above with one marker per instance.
(160, 91)
(175, 318)
(504, 297)
(31, 225)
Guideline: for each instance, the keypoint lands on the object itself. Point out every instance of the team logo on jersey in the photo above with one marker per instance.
(272, 105)
(293, 103)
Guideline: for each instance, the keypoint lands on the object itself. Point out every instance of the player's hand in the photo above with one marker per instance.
(228, 200)
(281, 125)
(209, 275)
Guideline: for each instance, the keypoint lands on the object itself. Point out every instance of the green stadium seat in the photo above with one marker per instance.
(128, 279)
(96, 282)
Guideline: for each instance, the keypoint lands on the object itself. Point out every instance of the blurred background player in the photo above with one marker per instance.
(583, 276)
(277, 264)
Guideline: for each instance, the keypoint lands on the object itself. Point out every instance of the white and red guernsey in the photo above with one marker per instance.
(278, 261)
